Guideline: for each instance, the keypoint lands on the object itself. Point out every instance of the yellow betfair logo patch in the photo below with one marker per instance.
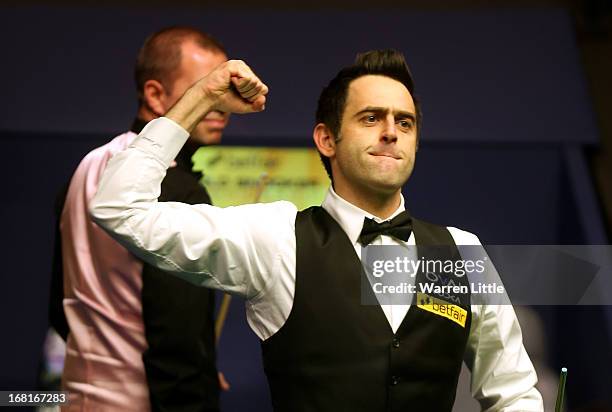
(442, 308)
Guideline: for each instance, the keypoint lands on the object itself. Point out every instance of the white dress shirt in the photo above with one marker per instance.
(250, 251)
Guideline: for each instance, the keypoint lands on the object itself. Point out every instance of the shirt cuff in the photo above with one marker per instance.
(163, 138)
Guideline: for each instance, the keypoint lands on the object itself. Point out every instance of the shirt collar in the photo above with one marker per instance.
(350, 217)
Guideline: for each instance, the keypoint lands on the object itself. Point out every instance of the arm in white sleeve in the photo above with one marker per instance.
(232, 249)
(503, 377)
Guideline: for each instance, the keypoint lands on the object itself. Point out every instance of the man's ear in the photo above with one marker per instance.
(154, 97)
(324, 140)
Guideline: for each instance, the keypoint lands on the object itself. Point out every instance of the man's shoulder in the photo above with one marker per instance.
(93, 163)
(463, 237)
(460, 236)
(117, 144)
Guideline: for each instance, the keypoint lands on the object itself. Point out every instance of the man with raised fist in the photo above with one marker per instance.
(299, 270)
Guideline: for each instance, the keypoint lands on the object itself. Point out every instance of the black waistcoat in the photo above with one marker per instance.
(335, 354)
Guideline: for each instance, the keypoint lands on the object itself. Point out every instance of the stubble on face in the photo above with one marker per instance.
(376, 145)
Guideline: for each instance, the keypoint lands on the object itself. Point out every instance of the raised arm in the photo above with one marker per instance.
(232, 249)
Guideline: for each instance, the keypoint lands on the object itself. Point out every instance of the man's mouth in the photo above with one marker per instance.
(215, 120)
(215, 123)
(386, 154)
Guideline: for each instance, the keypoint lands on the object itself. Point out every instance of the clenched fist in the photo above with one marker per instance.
(231, 87)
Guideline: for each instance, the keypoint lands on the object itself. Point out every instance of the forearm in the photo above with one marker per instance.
(190, 109)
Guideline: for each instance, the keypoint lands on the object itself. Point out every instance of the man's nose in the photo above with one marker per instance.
(389, 134)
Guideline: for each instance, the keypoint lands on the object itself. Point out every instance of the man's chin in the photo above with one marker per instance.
(207, 137)
(388, 183)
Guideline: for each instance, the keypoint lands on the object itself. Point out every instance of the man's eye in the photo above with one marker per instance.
(369, 118)
(405, 124)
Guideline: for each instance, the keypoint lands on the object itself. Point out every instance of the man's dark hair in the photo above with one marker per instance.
(160, 55)
(332, 101)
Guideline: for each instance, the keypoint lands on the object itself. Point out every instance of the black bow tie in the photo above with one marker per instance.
(400, 227)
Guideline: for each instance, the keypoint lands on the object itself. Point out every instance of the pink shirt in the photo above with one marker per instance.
(102, 301)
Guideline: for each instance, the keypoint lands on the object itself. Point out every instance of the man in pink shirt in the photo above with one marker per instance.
(129, 347)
